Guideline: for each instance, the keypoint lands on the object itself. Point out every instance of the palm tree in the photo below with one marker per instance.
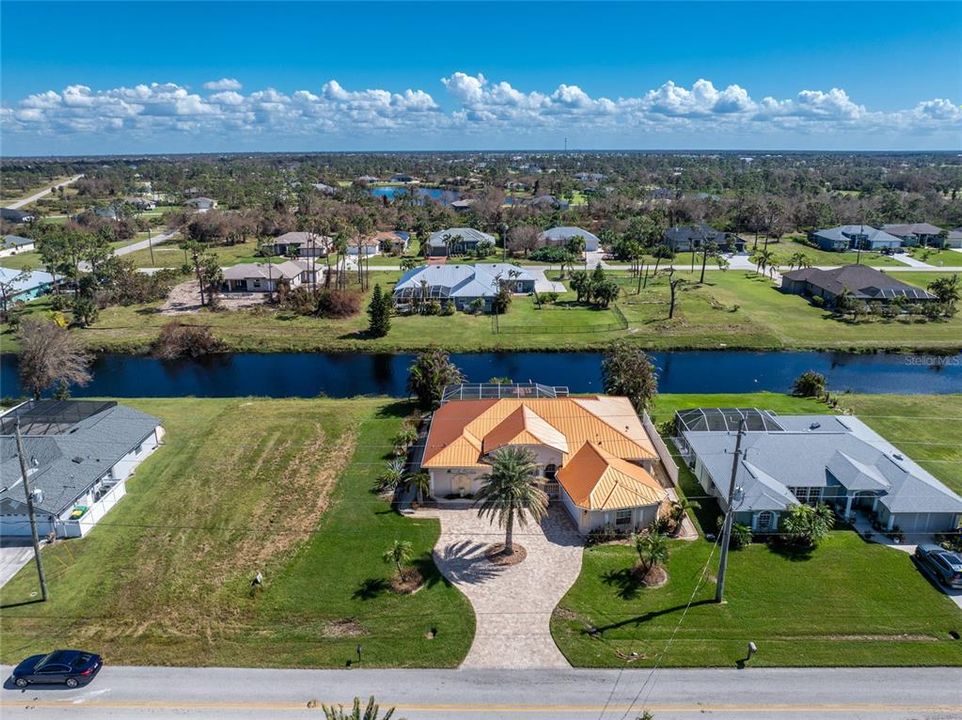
(371, 712)
(652, 549)
(681, 507)
(799, 259)
(421, 482)
(805, 525)
(510, 492)
(763, 259)
(399, 553)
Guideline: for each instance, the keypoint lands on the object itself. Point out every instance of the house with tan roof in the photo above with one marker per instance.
(592, 453)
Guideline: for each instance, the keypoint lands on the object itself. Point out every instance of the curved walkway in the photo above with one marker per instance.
(513, 604)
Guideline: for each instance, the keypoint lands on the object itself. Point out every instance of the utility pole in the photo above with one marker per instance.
(729, 516)
(150, 245)
(33, 522)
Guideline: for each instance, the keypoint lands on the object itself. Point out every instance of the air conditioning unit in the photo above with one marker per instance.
(37, 495)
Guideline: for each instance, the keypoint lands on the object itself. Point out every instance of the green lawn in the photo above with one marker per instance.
(938, 258)
(245, 485)
(848, 603)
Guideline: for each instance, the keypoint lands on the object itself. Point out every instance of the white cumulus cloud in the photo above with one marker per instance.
(223, 84)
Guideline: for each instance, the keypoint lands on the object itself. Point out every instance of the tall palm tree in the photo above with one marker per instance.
(421, 482)
(510, 492)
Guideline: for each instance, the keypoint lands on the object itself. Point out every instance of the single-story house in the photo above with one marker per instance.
(13, 244)
(792, 459)
(548, 202)
(592, 453)
(912, 234)
(324, 188)
(863, 282)
(954, 239)
(393, 241)
(201, 204)
(464, 240)
(402, 178)
(685, 238)
(143, 203)
(366, 247)
(33, 284)
(461, 284)
(79, 456)
(15, 216)
(854, 237)
(257, 277)
(562, 234)
(463, 205)
(590, 178)
(365, 180)
(302, 244)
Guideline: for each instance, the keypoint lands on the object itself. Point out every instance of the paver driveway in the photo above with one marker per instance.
(513, 604)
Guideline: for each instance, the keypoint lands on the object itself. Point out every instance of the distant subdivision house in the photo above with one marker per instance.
(20, 285)
(79, 455)
(257, 277)
(789, 460)
(392, 241)
(463, 240)
(954, 239)
(461, 284)
(201, 204)
(13, 244)
(13, 215)
(861, 281)
(591, 453)
(914, 234)
(301, 245)
(685, 238)
(562, 234)
(854, 237)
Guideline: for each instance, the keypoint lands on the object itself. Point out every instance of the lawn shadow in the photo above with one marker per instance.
(625, 581)
(647, 617)
(148, 311)
(21, 603)
(795, 553)
(428, 569)
(396, 409)
(371, 588)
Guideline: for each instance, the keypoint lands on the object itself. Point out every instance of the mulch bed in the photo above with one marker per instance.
(496, 555)
(654, 578)
(409, 581)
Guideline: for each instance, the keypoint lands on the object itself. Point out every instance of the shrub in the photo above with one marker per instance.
(809, 384)
(447, 308)
(300, 300)
(607, 533)
(178, 341)
(85, 311)
(741, 536)
(476, 306)
(60, 302)
(818, 301)
(950, 540)
(335, 304)
(549, 298)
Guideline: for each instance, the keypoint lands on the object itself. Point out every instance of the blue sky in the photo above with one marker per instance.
(400, 75)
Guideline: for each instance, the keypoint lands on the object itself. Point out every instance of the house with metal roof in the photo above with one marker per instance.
(79, 455)
(791, 459)
(13, 244)
(593, 454)
(562, 234)
(457, 241)
(913, 234)
(861, 281)
(461, 284)
(24, 285)
(854, 237)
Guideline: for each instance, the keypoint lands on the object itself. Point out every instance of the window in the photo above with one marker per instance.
(807, 495)
(549, 470)
(764, 520)
(622, 517)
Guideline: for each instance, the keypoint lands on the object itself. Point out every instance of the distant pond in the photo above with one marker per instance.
(350, 374)
(436, 194)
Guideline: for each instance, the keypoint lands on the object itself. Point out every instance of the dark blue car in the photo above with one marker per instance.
(70, 667)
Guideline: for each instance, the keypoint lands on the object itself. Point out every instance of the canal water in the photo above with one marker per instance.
(350, 374)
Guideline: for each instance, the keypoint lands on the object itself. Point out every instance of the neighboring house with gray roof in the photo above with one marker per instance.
(562, 234)
(686, 238)
(23, 285)
(263, 277)
(461, 284)
(79, 455)
(792, 459)
(302, 244)
(463, 240)
(954, 239)
(854, 237)
(13, 244)
(15, 216)
(913, 234)
(862, 282)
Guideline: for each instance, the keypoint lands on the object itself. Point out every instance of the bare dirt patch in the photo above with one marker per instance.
(345, 627)
(496, 554)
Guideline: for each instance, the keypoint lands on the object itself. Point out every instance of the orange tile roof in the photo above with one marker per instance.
(597, 480)
(463, 430)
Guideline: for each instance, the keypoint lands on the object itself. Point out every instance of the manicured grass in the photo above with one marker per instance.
(241, 486)
(938, 258)
(23, 260)
(847, 603)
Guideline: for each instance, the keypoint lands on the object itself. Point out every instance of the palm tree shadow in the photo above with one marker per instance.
(795, 553)
(464, 562)
(371, 588)
(625, 581)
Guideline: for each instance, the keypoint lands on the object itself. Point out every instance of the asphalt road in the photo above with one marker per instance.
(772, 694)
(36, 196)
